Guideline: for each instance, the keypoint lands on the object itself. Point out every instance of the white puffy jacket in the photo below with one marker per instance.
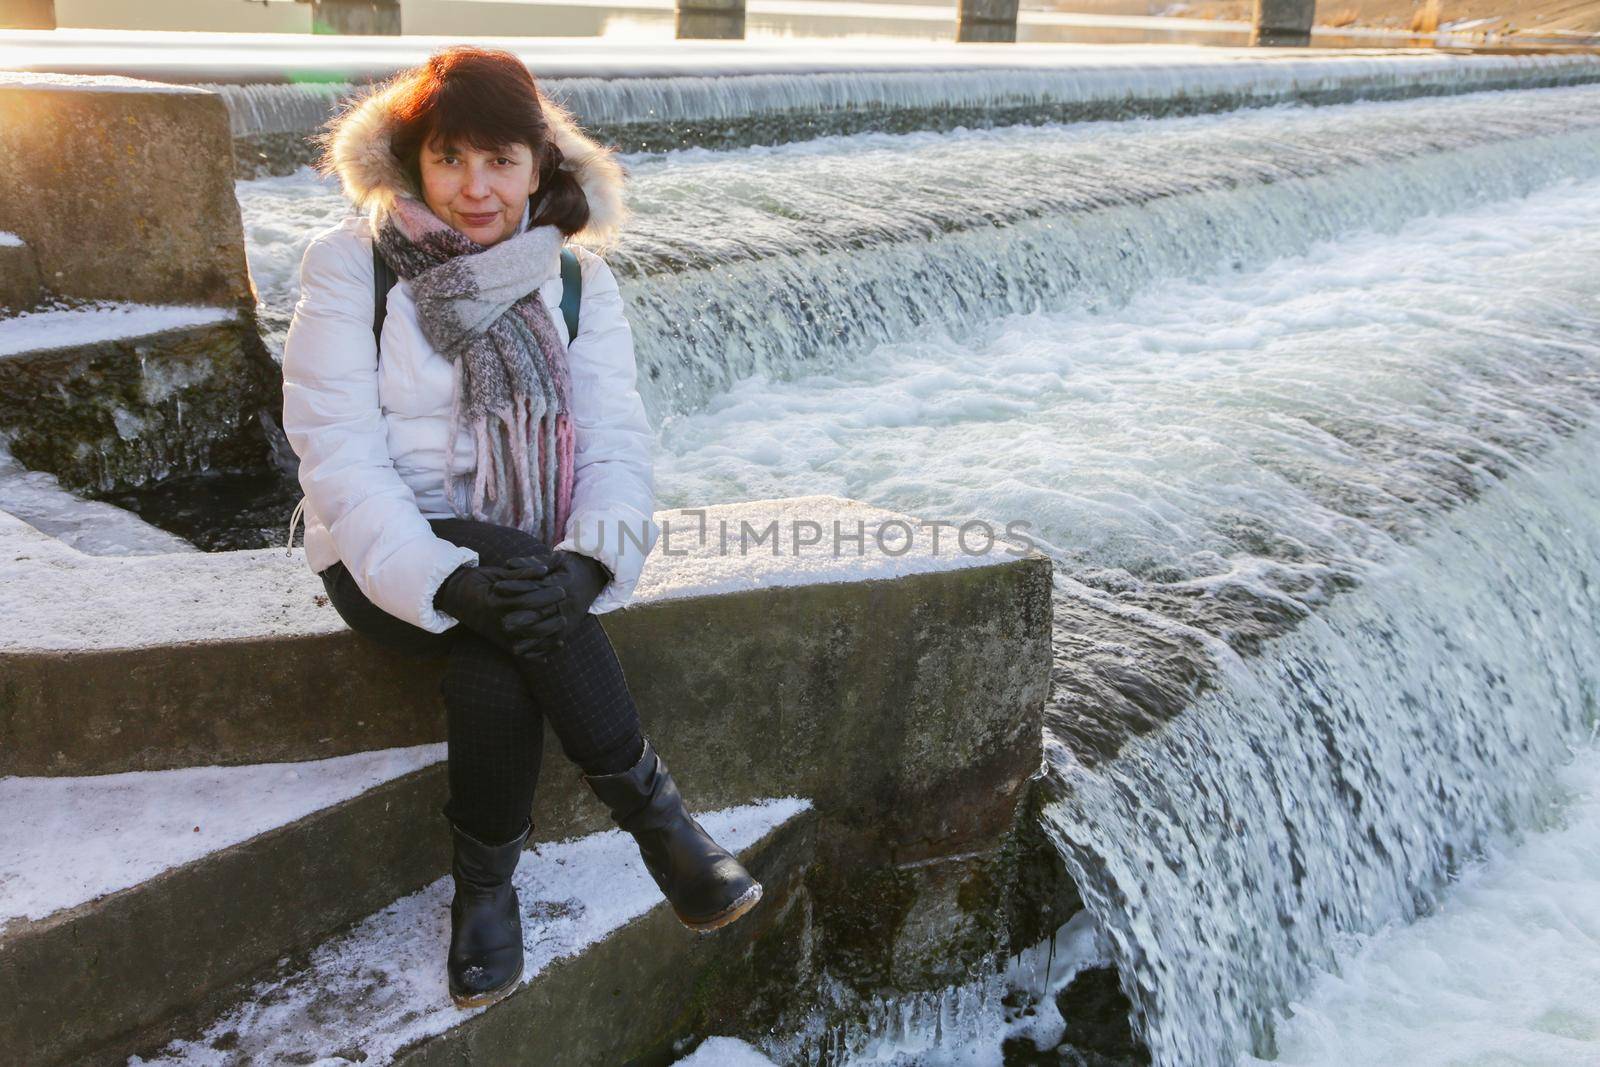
(371, 434)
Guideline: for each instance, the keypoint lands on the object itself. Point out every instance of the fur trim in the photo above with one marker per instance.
(354, 145)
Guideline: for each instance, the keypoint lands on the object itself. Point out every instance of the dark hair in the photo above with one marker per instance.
(484, 97)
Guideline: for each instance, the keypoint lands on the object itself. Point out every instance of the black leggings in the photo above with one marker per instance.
(496, 703)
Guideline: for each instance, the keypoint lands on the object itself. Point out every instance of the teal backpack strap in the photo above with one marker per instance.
(571, 290)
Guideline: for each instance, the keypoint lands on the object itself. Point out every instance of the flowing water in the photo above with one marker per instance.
(1302, 402)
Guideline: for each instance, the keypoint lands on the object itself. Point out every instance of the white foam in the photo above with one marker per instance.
(380, 987)
(65, 841)
(1506, 970)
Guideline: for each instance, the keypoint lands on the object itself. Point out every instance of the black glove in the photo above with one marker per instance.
(542, 610)
(468, 595)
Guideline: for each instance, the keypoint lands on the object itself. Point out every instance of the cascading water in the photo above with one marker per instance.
(1330, 785)
(1300, 403)
(786, 260)
(827, 93)
(1406, 417)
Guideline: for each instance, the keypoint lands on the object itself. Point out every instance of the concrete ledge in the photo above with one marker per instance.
(199, 658)
(103, 156)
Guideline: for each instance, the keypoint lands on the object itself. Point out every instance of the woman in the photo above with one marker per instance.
(484, 491)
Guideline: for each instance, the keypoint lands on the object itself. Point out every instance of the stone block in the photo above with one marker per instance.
(122, 188)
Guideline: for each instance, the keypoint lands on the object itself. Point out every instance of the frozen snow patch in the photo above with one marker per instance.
(65, 841)
(90, 526)
(75, 602)
(115, 83)
(38, 330)
(79, 602)
(725, 1052)
(804, 540)
(379, 988)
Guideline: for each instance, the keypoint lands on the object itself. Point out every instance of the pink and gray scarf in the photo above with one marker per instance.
(480, 308)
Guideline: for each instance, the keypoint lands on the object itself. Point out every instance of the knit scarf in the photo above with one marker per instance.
(479, 306)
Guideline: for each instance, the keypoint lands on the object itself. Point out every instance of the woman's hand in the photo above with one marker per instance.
(468, 594)
(542, 608)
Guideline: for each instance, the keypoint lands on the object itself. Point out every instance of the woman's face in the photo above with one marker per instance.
(480, 193)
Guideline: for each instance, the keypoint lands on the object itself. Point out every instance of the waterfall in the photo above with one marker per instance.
(795, 259)
(1330, 784)
(822, 252)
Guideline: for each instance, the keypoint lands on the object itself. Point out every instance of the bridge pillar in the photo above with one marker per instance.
(717, 20)
(27, 14)
(379, 18)
(1283, 23)
(987, 20)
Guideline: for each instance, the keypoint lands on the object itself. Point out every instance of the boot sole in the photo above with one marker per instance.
(748, 900)
(478, 1000)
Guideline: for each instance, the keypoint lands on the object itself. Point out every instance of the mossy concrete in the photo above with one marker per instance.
(123, 412)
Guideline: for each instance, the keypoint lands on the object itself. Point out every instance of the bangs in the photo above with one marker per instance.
(463, 123)
(466, 98)
(460, 117)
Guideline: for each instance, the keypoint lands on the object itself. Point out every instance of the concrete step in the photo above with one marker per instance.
(126, 897)
(125, 662)
(128, 900)
(610, 975)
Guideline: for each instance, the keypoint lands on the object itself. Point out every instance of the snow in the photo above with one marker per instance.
(9, 240)
(728, 548)
(106, 321)
(113, 83)
(368, 993)
(92, 526)
(127, 828)
(74, 601)
(725, 1052)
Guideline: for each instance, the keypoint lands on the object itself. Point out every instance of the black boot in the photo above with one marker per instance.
(485, 961)
(706, 886)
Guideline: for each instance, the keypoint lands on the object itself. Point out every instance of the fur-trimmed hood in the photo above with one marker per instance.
(354, 145)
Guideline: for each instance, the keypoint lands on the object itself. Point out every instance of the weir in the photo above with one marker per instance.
(1299, 403)
(735, 99)
(946, 233)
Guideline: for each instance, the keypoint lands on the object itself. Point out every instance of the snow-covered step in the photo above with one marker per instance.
(93, 527)
(199, 658)
(609, 971)
(40, 331)
(127, 897)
